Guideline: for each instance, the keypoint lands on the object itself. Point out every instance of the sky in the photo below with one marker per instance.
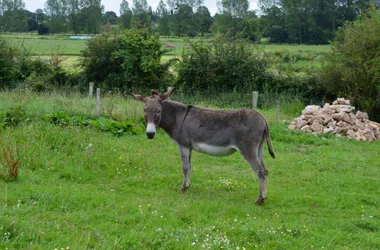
(114, 5)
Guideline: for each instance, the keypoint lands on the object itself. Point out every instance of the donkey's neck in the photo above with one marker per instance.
(172, 113)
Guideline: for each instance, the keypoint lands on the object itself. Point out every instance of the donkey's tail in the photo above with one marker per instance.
(269, 142)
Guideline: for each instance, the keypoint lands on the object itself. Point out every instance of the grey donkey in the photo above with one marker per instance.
(208, 131)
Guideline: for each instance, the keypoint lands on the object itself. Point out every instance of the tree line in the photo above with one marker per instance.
(282, 21)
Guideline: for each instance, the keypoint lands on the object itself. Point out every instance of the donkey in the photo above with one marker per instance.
(212, 132)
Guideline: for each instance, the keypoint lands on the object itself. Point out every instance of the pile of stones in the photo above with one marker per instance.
(338, 118)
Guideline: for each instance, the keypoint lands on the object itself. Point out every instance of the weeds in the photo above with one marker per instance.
(10, 161)
(13, 117)
(102, 123)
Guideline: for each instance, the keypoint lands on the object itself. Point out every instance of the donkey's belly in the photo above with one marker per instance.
(214, 150)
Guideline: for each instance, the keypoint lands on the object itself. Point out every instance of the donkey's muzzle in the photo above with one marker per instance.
(150, 130)
(150, 135)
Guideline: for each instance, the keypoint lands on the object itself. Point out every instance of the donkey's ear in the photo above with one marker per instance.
(168, 94)
(137, 97)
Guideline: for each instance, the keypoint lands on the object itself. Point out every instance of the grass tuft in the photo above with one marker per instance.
(10, 160)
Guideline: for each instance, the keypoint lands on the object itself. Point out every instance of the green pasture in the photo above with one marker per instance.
(81, 188)
(51, 46)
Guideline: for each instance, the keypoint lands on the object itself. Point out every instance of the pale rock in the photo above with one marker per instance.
(361, 115)
(310, 110)
(328, 130)
(346, 118)
(307, 117)
(317, 118)
(292, 127)
(341, 101)
(351, 134)
(337, 116)
(327, 119)
(346, 108)
(336, 108)
(317, 127)
(327, 111)
(306, 129)
(301, 123)
(359, 125)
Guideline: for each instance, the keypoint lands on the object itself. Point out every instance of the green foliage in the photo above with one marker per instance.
(222, 64)
(130, 60)
(18, 67)
(352, 70)
(7, 64)
(13, 117)
(61, 118)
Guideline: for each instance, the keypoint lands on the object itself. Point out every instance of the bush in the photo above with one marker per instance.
(130, 60)
(352, 70)
(224, 65)
(19, 68)
(8, 70)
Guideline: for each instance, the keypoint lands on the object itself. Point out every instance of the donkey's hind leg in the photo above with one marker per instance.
(186, 166)
(252, 155)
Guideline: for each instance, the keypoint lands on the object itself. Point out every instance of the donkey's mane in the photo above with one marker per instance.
(154, 92)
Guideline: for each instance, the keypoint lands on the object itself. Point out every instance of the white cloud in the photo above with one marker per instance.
(114, 5)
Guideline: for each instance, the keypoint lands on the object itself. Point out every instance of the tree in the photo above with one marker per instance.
(141, 17)
(231, 14)
(92, 15)
(308, 21)
(14, 16)
(163, 19)
(235, 8)
(76, 21)
(183, 21)
(39, 15)
(274, 25)
(56, 10)
(125, 15)
(352, 70)
(110, 17)
(203, 20)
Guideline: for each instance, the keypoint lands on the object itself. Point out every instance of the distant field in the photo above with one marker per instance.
(300, 55)
(49, 46)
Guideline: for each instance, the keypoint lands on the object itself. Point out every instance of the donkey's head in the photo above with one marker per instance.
(152, 110)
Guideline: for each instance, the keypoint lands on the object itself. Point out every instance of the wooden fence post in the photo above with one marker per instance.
(97, 101)
(255, 96)
(91, 89)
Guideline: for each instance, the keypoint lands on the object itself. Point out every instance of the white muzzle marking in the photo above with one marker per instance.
(151, 128)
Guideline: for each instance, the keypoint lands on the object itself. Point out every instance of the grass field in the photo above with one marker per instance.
(81, 188)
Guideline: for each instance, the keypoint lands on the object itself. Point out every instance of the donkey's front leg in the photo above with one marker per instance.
(186, 166)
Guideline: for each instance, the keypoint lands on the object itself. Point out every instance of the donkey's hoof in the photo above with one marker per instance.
(183, 189)
(259, 201)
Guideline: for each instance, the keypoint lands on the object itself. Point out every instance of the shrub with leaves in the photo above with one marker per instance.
(130, 60)
(223, 64)
(8, 71)
(13, 117)
(352, 70)
(61, 118)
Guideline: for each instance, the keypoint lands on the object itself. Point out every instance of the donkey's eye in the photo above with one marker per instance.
(158, 112)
